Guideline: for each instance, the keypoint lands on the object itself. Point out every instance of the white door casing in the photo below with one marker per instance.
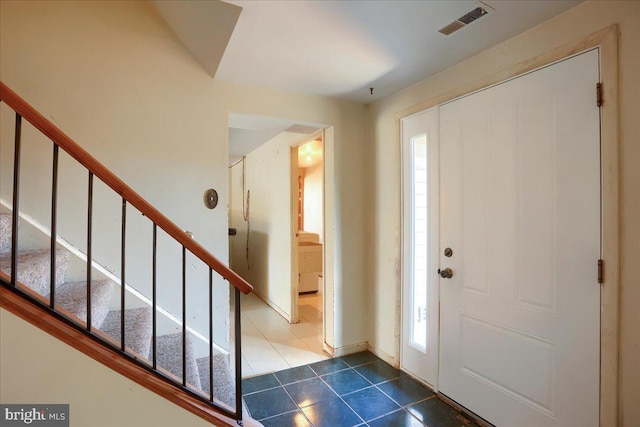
(520, 207)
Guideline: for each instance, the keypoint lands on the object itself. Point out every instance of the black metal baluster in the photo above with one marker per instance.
(16, 199)
(238, 350)
(122, 268)
(89, 261)
(184, 316)
(153, 292)
(211, 334)
(89, 255)
(54, 225)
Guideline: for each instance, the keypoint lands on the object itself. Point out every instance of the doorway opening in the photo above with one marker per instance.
(307, 192)
(280, 328)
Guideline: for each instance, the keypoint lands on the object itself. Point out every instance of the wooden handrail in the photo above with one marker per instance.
(29, 113)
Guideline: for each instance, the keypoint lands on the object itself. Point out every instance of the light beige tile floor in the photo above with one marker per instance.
(270, 343)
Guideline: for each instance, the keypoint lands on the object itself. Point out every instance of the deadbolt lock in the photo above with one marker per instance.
(447, 273)
(448, 252)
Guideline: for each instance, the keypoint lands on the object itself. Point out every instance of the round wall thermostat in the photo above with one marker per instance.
(211, 198)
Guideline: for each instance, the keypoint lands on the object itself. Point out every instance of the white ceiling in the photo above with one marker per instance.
(342, 48)
(338, 48)
(247, 132)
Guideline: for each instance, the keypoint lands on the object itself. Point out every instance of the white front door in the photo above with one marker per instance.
(419, 355)
(520, 209)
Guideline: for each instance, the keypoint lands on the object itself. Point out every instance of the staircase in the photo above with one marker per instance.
(71, 298)
(78, 312)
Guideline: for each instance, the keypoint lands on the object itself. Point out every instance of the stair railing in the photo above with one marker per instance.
(129, 197)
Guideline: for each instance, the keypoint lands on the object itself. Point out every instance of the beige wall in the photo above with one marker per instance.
(62, 374)
(384, 247)
(344, 180)
(268, 179)
(267, 175)
(114, 78)
(345, 230)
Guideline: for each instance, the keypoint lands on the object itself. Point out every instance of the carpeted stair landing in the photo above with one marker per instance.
(34, 272)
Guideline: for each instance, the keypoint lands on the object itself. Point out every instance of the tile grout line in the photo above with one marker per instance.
(278, 415)
(343, 401)
(402, 407)
(376, 386)
(347, 367)
(364, 388)
(282, 360)
(327, 385)
(264, 338)
(293, 400)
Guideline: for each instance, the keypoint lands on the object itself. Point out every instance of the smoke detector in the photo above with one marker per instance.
(478, 12)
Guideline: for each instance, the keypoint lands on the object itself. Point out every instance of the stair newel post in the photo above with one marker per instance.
(184, 316)
(16, 199)
(89, 254)
(211, 334)
(54, 225)
(238, 354)
(153, 293)
(122, 271)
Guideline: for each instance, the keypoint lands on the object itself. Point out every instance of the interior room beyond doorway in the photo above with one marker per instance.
(310, 222)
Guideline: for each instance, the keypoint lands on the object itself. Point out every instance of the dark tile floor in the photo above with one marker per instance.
(354, 390)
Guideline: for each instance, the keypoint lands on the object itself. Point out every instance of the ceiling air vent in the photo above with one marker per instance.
(464, 20)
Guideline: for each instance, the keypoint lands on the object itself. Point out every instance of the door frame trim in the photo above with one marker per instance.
(606, 40)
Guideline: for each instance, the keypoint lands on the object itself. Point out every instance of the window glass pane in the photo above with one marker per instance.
(419, 243)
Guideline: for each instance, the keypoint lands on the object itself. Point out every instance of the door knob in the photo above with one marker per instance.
(447, 273)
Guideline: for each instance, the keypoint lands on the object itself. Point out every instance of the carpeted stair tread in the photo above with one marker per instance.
(33, 268)
(34, 272)
(138, 328)
(5, 232)
(73, 298)
(169, 357)
(223, 382)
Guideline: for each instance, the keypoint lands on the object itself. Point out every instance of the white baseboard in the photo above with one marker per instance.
(391, 360)
(347, 349)
(273, 305)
